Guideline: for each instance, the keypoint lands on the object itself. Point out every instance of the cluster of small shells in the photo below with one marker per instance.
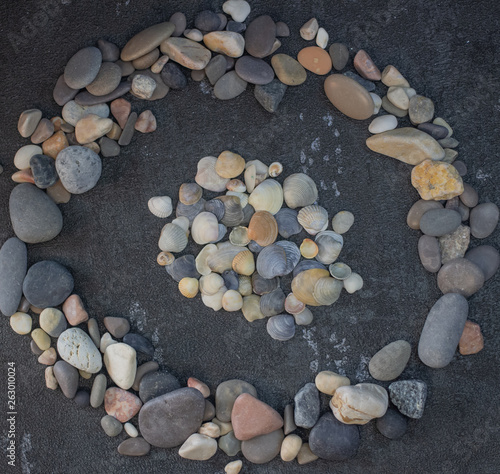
(243, 272)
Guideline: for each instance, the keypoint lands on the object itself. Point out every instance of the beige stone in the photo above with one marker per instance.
(398, 97)
(91, 128)
(225, 427)
(186, 52)
(309, 29)
(210, 429)
(225, 42)
(121, 364)
(392, 77)
(349, 97)
(290, 447)
(115, 132)
(305, 455)
(24, 154)
(327, 382)
(198, 447)
(41, 338)
(21, 323)
(146, 122)
(50, 379)
(233, 467)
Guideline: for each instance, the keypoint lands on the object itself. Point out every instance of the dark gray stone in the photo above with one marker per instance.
(216, 68)
(207, 21)
(128, 130)
(461, 167)
(180, 22)
(236, 26)
(486, 258)
(117, 327)
(13, 265)
(264, 448)
(435, 131)
(34, 215)
(418, 210)
(79, 168)
(288, 422)
(229, 444)
(368, 85)
(460, 276)
(260, 36)
(82, 398)
(448, 142)
(209, 413)
(392, 425)
(142, 370)
(139, 343)
(109, 51)
(469, 197)
(86, 98)
(442, 330)
(332, 440)
(83, 67)
(180, 410)
(67, 378)
(111, 426)
(254, 70)
(282, 30)
(483, 220)
(109, 148)
(173, 77)
(340, 55)
(229, 86)
(409, 396)
(307, 406)
(62, 92)
(134, 447)
(44, 172)
(155, 384)
(47, 284)
(438, 222)
(270, 95)
(429, 253)
(226, 394)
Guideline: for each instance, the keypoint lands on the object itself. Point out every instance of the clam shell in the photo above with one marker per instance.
(229, 165)
(271, 262)
(172, 238)
(233, 212)
(245, 285)
(288, 224)
(293, 305)
(188, 287)
(304, 318)
(183, 223)
(239, 236)
(222, 232)
(211, 284)
(190, 193)
(304, 265)
(207, 177)
(281, 327)
(214, 301)
(275, 169)
(292, 253)
(160, 206)
(260, 168)
(308, 248)
(222, 260)
(303, 285)
(190, 211)
(165, 258)
(202, 257)
(232, 301)
(262, 286)
(340, 271)
(248, 212)
(263, 228)
(267, 196)
(243, 197)
(250, 177)
(251, 308)
(353, 283)
(244, 263)
(231, 280)
(205, 228)
(327, 290)
(313, 219)
(329, 247)
(299, 190)
(272, 303)
(181, 267)
(216, 207)
(236, 185)
(255, 247)
(342, 222)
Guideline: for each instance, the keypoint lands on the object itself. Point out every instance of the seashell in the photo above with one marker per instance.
(239, 236)
(255, 247)
(271, 262)
(248, 212)
(222, 232)
(205, 228)
(207, 177)
(214, 301)
(260, 168)
(304, 265)
(340, 271)
(353, 283)
(165, 258)
(183, 223)
(210, 284)
(299, 190)
(216, 207)
(222, 260)
(172, 238)
(263, 228)
(251, 308)
(275, 169)
(288, 224)
(262, 286)
(236, 185)
(281, 327)
(313, 219)
(304, 318)
(293, 305)
(272, 303)
(250, 178)
(267, 196)
(327, 290)
(308, 248)
(303, 285)
(202, 257)
(232, 301)
(242, 197)
(229, 164)
(233, 212)
(329, 247)
(190, 211)
(188, 287)
(231, 280)
(244, 263)
(342, 222)
(190, 193)
(292, 253)
(181, 267)
(160, 206)
(245, 285)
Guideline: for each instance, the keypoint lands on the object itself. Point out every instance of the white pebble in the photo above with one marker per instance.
(131, 430)
(194, 34)
(383, 124)
(24, 154)
(377, 101)
(353, 283)
(309, 29)
(21, 323)
(322, 38)
(237, 9)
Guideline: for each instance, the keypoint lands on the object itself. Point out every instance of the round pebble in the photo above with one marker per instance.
(79, 169)
(486, 258)
(418, 210)
(460, 276)
(430, 253)
(21, 323)
(392, 425)
(483, 220)
(259, 36)
(83, 67)
(438, 222)
(254, 70)
(52, 321)
(315, 59)
(229, 86)
(111, 426)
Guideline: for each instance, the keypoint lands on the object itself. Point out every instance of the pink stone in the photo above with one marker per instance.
(200, 386)
(120, 108)
(472, 340)
(146, 122)
(366, 67)
(74, 311)
(121, 404)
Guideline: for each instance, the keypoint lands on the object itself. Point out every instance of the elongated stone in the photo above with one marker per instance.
(390, 361)
(186, 52)
(288, 70)
(75, 347)
(13, 266)
(225, 42)
(147, 40)
(429, 253)
(83, 67)
(349, 97)
(98, 391)
(87, 99)
(134, 447)
(340, 55)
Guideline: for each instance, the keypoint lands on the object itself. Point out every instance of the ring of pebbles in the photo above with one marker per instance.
(228, 274)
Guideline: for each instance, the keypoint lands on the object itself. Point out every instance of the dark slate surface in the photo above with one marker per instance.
(448, 50)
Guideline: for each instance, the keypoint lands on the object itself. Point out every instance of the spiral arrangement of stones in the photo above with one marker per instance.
(68, 163)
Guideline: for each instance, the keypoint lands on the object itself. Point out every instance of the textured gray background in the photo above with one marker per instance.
(449, 52)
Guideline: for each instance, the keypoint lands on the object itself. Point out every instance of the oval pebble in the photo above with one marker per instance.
(438, 222)
(75, 347)
(111, 426)
(460, 276)
(486, 258)
(254, 70)
(340, 55)
(349, 97)
(418, 210)
(288, 70)
(469, 197)
(383, 124)
(98, 390)
(483, 220)
(134, 447)
(21, 323)
(315, 59)
(390, 361)
(83, 67)
(429, 253)
(229, 86)
(23, 156)
(259, 36)
(264, 448)
(392, 425)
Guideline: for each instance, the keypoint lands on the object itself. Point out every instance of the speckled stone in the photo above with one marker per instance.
(262, 449)
(421, 109)
(143, 86)
(121, 404)
(226, 394)
(154, 384)
(13, 265)
(460, 276)
(484, 220)
(83, 67)
(454, 244)
(409, 397)
(270, 95)
(67, 378)
(76, 348)
(486, 258)
(307, 406)
(436, 180)
(79, 169)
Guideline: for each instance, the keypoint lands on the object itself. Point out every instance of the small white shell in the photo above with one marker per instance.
(214, 301)
(182, 222)
(353, 283)
(313, 219)
(205, 228)
(201, 259)
(172, 238)
(160, 206)
(232, 301)
(275, 169)
(211, 284)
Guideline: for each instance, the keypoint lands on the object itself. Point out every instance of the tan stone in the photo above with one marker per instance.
(158, 66)
(199, 385)
(57, 142)
(120, 109)
(365, 66)
(23, 176)
(186, 52)
(349, 97)
(288, 70)
(210, 429)
(43, 131)
(48, 357)
(315, 59)
(305, 455)
(327, 382)
(115, 132)
(28, 121)
(225, 427)
(290, 447)
(198, 447)
(392, 77)
(436, 180)
(233, 467)
(225, 42)
(147, 40)
(407, 144)
(41, 338)
(398, 97)
(91, 128)
(93, 146)
(74, 311)
(147, 60)
(146, 122)
(309, 29)
(472, 340)
(84, 374)
(50, 378)
(58, 193)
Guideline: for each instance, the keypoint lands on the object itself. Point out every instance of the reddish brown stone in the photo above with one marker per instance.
(146, 122)
(121, 404)
(74, 311)
(472, 340)
(315, 59)
(120, 108)
(366, 67)
(55, 144)
(251, 417)
(199, 385)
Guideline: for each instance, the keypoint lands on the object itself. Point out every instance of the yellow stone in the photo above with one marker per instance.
(226, 42)
(436, 180)
(57, 142)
